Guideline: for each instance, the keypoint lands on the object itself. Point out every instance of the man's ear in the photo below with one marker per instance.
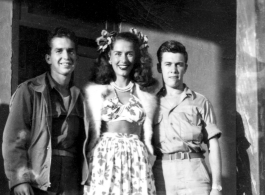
(48, 58)
(159, 68)
(186, 67)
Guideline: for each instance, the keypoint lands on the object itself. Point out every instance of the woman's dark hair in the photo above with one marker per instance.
(173, 47)
(142, 69)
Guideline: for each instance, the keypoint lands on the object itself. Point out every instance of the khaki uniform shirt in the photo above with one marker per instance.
(182, 125)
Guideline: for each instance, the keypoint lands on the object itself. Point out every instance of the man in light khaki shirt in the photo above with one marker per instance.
(185, 120)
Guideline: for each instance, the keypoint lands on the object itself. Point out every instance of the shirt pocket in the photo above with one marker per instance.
(78, 111)
(190, 115)
(190, 124)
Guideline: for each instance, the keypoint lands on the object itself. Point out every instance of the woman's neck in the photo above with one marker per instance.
(122, 81)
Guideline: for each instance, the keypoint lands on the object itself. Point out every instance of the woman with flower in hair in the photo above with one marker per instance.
(120, 115)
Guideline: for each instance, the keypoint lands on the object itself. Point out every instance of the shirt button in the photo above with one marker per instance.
(45, 166)
(171, 124)
(174, 137)
(47, 148)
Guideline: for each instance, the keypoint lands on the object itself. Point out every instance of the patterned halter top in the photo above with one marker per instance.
(114, 110)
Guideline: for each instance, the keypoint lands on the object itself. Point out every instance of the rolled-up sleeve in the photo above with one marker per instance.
(210, 127)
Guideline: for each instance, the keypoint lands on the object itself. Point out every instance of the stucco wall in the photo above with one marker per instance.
(5, 74)
(5, 50)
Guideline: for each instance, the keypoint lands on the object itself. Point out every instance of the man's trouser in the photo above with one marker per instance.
(65, 176)
(181, 177)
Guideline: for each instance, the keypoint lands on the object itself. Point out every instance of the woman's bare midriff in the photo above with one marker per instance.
(123, 126)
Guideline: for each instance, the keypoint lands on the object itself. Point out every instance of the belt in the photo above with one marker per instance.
(62, 153)
(179, 155)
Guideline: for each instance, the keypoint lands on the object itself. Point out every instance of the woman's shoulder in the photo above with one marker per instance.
(147, 97)
(94, 89)
(147, 91)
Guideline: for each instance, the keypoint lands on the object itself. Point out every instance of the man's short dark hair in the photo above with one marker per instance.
(61, 32)
(173, 47)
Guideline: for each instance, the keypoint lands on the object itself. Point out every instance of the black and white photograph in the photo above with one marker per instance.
(132, 97)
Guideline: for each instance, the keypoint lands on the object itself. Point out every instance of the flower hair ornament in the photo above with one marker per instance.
(143, 39)
(107, 39)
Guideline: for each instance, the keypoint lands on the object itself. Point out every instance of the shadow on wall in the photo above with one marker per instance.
(4, 109)
(261, 119)
(242, 160)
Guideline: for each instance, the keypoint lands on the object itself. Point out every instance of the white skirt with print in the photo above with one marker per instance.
(120, 165)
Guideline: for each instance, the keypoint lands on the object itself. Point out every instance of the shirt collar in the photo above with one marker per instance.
(52, 82)
(187, 91)
(74, 91)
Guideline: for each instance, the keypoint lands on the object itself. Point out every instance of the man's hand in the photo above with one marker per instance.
(23, 189)
(215, 192)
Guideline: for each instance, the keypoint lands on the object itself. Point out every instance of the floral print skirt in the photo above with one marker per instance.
(120, 165)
